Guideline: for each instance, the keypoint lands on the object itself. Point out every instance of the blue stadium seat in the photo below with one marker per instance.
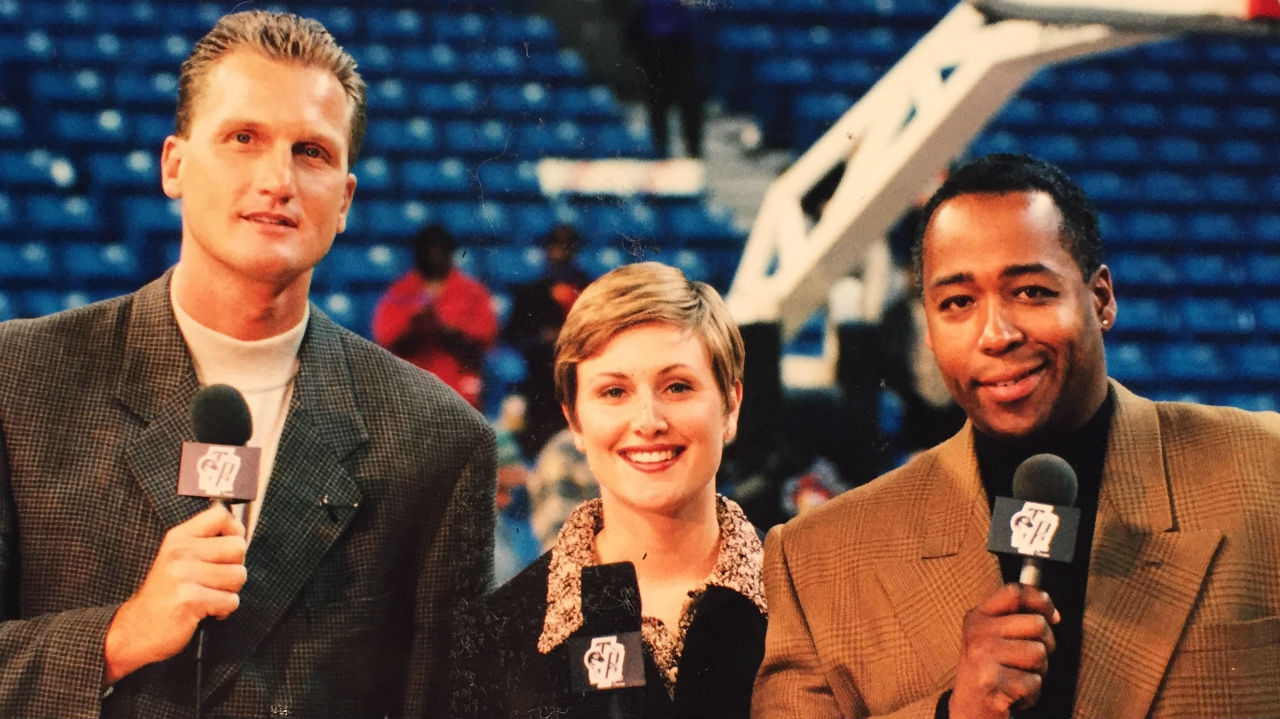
(562, 139)
(473, 139)
(1020, 112)
(28, 261)
(345, 309)
(1266, 228)
(560, 67)
(408, 138)
(528, 31)
(593, 103)
(1151, 227)
(37, 170)
(1147, 315)
(1264, 270)
(505, 365)
(1137, 115)
(1249, 401)
(1089, 80)
(100, 129)
(1263, 84)
(194, 19)
(1143, 270)
(1212, 84)
(511, 266)
(1214, 227)
(339, 20)
(151, 54)
(32, 47)
(447, 176)
(1257, 361)
(1267, 313)
(394, 25)
(596, 261)
(1254, 117)
(609, 222)
(460, 29)
(1060, 149)
(8, 307)
(63, 213)
(1212, 270)
(84, 88)
(813, 41)
(391, 221)
(145, 217)
(995, 141)
(150, 129)
(1150, 81)
(376, 60)
(116, 173)
(1170, 187)
(1104, 186)
(1224, 51)
(692, 263)
(495, 63)
(1196, 118)
(476, 223)
(1241, 152)
(10, 214)
(697, 222)
(1193, 361)
(150, 91)
(12, 128)
(1229, 189)
(104, 49)
(518, 179)
(437, 61)
(362, 266)
(530, 221)
(1081, 114)
(849, 76)
(1179, 150)
(459, 98)
(620, 141)
(375, 176)
(1216, 316)
(528, 100)
(390, 96)
(112, 263)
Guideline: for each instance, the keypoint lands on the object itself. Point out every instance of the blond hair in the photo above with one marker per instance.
(281, 36)
(637, 294)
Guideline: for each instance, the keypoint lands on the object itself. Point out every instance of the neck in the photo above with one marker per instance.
(238, 307)
(662, 548)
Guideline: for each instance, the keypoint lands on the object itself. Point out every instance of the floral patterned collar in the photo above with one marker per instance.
(737, 568)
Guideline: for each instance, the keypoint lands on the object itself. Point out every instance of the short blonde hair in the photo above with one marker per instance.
(637, 294)
(281, 36)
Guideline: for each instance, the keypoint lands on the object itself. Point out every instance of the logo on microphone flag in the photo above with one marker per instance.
(604, 662)
(1034, 529)
(219, 471)
(611, 661)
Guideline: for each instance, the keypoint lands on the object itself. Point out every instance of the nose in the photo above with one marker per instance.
(1000, 333)
(651, 417)
(275, 174)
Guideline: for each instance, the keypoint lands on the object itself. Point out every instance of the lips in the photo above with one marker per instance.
(270, 218)
(651, 457)
(1013, 387)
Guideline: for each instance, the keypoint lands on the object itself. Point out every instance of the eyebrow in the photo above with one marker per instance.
(1029, 268)
(625, 375)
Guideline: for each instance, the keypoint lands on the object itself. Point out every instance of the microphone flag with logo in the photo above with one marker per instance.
(607, 652)
(1040, 521)
(217, 465)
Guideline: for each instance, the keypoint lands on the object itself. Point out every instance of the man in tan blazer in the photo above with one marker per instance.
(886, 602)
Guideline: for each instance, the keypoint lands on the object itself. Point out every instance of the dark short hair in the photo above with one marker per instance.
(434, 235)
(1002, 173)
(564, 234)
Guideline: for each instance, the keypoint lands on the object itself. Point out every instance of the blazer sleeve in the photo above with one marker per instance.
(457, 566)
(50, 665)
(790, 682)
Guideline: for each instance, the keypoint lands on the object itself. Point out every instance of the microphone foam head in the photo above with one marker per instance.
(221, 416)
(1046, 478)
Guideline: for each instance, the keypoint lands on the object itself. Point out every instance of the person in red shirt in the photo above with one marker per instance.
(438, 317)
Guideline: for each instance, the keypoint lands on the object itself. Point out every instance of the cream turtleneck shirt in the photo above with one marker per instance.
(263, 371)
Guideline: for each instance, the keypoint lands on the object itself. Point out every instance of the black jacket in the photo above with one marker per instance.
(497, 670)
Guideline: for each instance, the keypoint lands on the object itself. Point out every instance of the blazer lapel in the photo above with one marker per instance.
(311, 499)
(1144, 575)
(157, 383)
(950, 569)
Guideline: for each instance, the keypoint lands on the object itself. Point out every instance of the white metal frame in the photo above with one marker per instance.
(926, 109)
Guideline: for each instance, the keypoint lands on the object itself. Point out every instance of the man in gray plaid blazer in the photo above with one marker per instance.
(332, 597)
(885, 601)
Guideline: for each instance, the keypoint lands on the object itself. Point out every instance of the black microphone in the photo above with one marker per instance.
(1041, 521)
(218, 465)
(606, 655)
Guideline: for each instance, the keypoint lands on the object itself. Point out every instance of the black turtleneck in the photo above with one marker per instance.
(1085, 450)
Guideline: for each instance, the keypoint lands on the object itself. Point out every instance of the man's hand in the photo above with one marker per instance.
(1004, 653)
(196, 574)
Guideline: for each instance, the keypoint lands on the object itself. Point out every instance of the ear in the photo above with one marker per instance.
(346, 202)
(1104, 297)
(171, 156)
(573, 428)
(735, 408)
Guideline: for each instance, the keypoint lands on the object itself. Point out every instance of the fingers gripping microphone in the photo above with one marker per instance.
(1040, 521)
(218, 465)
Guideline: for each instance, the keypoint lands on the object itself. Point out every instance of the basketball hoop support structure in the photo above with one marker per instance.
(923, 112)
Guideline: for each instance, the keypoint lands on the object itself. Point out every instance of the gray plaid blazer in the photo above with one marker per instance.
(1182, 612)
(378, 519)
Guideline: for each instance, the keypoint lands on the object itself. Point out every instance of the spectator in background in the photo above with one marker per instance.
(538, 310)
(663, 36)
(438, 317)
(559, 482)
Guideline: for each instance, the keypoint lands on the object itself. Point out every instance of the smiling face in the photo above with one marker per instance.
(262, 172)
(651, 420)
(1016, 330)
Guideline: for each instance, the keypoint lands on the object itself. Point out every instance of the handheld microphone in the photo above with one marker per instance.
(1040, 522)
(218, 465)
(606, 655)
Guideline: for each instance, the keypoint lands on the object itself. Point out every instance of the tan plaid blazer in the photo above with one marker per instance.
(378, 519)
(1182, 613)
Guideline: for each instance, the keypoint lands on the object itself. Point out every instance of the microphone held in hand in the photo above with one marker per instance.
(1040, 522)
(218, 465)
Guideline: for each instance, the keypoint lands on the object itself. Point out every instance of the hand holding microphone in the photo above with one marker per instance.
(199, 569)
(1006, 640)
